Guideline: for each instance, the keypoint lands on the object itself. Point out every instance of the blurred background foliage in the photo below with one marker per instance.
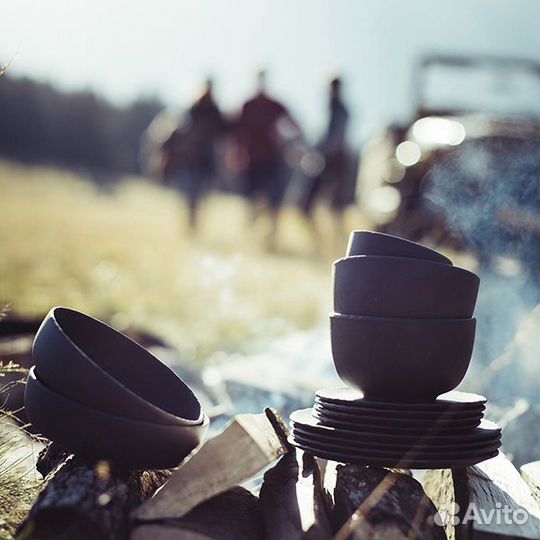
(42, 125)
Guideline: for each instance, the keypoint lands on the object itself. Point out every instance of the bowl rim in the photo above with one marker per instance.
(391, 259)
(178, 420)
(34, 376)
(427, 320)
(444, 259)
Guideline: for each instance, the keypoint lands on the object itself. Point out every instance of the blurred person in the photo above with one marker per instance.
(334, 181)
(263, 131)
(188, 155)
(208, 127)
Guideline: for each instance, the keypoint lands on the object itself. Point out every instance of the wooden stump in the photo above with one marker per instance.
(82, 500)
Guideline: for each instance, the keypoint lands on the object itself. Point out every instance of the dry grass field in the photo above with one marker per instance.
(123, 254)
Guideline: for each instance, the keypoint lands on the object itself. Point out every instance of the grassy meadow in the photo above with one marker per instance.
(124, 254)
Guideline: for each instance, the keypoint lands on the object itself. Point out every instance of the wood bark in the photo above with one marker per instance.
(232, 515)
(488, 498)
(439, 486)
(372, 502)
(292, 500)
(83, 500)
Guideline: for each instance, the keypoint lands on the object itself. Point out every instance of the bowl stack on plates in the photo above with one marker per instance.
(402, 336)
(102, 396)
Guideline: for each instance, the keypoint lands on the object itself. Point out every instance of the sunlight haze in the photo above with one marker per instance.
(166, 48)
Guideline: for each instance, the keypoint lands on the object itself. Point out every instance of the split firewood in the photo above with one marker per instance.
(487, 501)
(379, 503)
(439, 486)
(85, 500)
(292, 500)
(530, 473)
(247, 445)
(232, 515)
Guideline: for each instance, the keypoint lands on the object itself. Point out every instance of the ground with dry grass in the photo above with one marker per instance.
(19, 482)
(124, 255)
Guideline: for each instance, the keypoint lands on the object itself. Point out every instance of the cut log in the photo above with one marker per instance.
(292, 500)
(530, 473)
(487, 501)
(247, 445)
(379, 503)
(85, 500)
(232, 515)
(439, 486)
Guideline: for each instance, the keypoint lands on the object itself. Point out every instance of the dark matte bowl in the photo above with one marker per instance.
(376, 243)
(97, 435)
(412, 360)
(90, 362)
(401, 287)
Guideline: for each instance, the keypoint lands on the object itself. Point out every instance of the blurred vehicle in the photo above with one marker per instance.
(464, 172)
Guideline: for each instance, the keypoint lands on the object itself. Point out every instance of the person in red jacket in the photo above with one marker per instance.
(264, 130)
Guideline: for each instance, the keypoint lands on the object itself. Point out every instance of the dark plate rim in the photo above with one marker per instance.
(410, 464)
(371, 452)
(435, 428)
(313, 424)
(412, 415)
(397, 422)
(442, 402)
(383, 445)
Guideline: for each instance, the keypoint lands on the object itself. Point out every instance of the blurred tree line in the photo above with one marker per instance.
(80, 130)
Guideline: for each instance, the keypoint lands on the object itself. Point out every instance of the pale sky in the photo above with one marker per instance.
(166, 47)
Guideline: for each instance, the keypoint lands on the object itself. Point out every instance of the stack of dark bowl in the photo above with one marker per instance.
(402, 338)
(102, 396)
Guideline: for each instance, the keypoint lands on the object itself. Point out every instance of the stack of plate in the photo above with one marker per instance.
(344, 426)
(402, 335)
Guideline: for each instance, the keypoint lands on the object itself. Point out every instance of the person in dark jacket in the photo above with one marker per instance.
(333, 182)
(207, 126)
(189, 153)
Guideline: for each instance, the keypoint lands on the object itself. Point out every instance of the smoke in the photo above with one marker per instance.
(488, 190)
(481, 186)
